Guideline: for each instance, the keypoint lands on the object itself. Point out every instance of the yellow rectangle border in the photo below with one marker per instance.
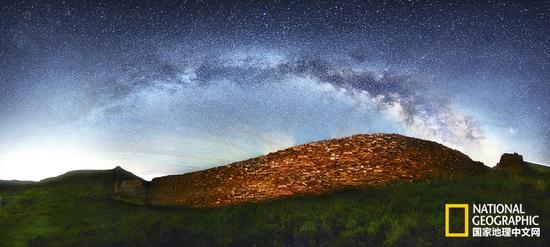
(466, 220)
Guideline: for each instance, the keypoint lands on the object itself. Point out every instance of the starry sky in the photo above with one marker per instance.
(164, 87)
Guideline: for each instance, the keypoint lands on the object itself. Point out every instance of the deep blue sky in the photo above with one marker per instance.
(161, 87)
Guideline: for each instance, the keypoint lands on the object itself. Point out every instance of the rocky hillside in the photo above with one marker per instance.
(311, 168)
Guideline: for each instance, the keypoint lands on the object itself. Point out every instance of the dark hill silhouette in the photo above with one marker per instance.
(93, 176)
(312, 168)
(8, 184)
(15, 182)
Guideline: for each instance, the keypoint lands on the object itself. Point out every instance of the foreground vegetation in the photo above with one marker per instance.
(79, 211)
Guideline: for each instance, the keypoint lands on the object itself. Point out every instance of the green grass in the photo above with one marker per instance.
(80, 212)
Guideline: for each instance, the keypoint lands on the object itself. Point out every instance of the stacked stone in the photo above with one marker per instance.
(313, 168)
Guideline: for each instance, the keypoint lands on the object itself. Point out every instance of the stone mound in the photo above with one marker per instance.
(312, 168)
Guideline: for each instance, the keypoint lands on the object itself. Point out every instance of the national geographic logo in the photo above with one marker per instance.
(448, 208)
(490, 220)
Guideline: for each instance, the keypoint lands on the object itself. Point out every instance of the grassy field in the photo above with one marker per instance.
(77, 210)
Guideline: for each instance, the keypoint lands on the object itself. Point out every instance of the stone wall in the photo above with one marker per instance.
(312, 168)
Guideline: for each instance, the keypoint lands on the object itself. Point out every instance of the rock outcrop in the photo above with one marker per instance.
(306, 169)
(511, 162)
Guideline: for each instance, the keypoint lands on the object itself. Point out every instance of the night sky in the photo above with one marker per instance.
(161, 88)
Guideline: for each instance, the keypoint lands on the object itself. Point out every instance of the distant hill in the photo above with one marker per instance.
(81, 177)
(93, 176)
(6, 184)
(15, 182)
(306, 169)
